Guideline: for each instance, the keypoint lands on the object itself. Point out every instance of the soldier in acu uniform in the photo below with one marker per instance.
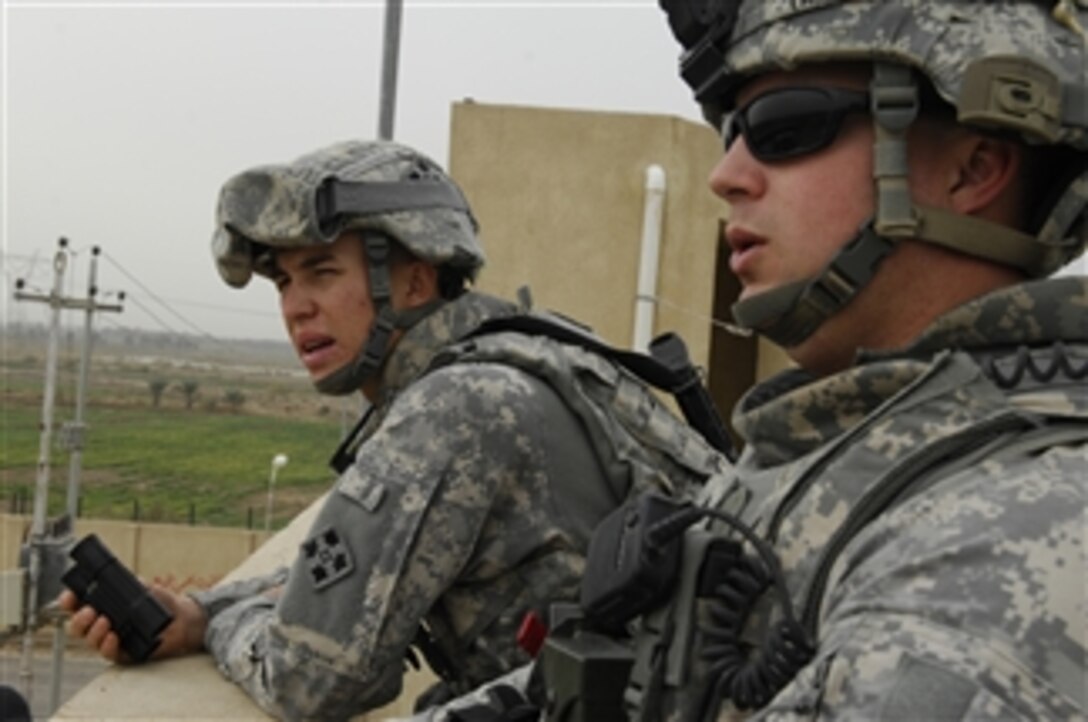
(904, 177)
(468, 492)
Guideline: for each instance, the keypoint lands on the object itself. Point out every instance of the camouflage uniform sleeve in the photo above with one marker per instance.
(224, 596)
(965, 603)
(481, 697)
(400, 529)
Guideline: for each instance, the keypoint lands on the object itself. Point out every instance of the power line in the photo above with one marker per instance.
(30, 261)
(225, 309)
(199, 331)
(135, 300)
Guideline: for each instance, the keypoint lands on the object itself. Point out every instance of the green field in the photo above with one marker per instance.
(206, 461)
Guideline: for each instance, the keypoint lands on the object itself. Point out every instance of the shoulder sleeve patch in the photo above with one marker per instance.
(368, 493)
(327, 558)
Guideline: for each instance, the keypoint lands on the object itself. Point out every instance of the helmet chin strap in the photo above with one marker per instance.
(792, 312)
(350, 377)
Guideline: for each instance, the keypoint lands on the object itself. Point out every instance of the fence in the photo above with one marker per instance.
(19, 502)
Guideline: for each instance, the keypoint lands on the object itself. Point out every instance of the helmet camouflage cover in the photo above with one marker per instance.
(1014, 65)
(1017, 64)
(354, 185)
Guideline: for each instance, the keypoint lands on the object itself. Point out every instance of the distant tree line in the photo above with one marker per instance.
(233, 399)
(123, 339)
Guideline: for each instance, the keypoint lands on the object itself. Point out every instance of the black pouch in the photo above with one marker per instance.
(628, 569)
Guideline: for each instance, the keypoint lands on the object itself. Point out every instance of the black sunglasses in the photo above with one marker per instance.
(791, 122)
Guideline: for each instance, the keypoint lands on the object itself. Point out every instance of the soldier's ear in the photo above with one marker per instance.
(984, 173)
(420, 283)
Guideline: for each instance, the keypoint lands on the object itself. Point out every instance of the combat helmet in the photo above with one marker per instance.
(1011, 66)
(385, 190)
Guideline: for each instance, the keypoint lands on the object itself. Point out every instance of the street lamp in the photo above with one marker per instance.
(278, 462)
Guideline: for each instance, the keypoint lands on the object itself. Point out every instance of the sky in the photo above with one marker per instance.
(121, 120)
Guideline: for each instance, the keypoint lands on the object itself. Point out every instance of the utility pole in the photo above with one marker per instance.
(75, 430)
(39, 535)
(390, 53)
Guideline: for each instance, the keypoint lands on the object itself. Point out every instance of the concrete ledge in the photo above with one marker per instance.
(187, 688)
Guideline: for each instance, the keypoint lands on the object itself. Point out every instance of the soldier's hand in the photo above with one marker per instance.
(184, 635)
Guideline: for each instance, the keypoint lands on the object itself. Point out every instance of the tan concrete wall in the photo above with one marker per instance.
(560, 199)
(177, 556)
(771, 359)
(12, 530)
(559, 195)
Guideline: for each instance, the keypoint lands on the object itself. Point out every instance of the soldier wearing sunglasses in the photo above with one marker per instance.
(903, 178)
